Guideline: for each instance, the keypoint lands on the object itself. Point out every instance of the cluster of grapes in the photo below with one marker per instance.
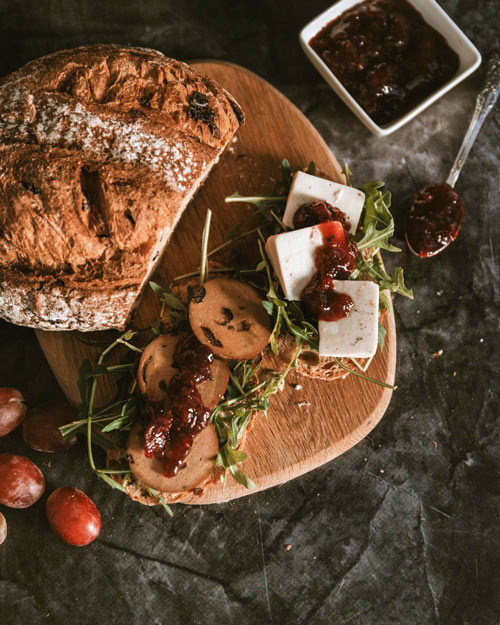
(71, 514)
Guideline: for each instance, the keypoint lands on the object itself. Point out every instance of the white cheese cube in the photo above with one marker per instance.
(292, 256)
(306, 188)
(356, 335)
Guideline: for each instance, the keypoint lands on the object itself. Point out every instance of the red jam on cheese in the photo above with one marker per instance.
(172, 428)
(386, 56)
(335, 259)
(318, 212)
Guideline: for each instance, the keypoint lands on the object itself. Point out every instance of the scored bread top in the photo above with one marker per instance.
(101, 148)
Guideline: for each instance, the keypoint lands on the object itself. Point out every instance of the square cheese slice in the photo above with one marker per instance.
(306, 188)
(292, 256)
(356, 335)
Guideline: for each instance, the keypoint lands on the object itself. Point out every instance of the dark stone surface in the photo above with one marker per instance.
(402, 529)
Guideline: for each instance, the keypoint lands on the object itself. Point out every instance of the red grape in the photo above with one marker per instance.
(3, 528)
(21, 481)
(41, 427)
(73, 516)
(12, 410)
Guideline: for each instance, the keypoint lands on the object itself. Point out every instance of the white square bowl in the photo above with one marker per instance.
(433, 14)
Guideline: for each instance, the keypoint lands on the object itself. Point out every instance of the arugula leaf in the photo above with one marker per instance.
(311, 168)
(281, 190)
(381, 334)
(232, 457)
(261, 201)
(110, 481)
(161, 501)
(98, 439)
(127, 415)
(204, 248)
(299, 326)
(284, 184)
(242, 478)
(178, 310)
(90, 422)
(244, 396)
(378, 222)
(269, 307)
(384, 303)
(373, 267)
(364, 376)
(166, 296)
(347, 173)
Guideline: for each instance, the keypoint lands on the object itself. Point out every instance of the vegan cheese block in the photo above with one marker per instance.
(306, 188)
(354, 336)
(292, 256)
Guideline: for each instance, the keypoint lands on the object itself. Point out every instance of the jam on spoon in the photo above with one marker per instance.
(434, 219)
(436, 211)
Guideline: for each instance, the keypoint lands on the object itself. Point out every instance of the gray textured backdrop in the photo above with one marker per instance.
(416, 544)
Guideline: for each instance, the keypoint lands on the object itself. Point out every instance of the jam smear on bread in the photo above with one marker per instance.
(171, 431)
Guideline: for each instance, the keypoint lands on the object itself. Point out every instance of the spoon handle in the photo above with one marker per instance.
(484, 103)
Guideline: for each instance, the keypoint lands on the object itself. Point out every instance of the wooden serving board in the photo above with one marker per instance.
(305, 428)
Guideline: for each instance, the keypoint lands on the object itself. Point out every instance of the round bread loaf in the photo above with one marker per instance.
(101, 149)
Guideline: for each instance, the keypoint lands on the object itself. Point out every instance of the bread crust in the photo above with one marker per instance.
(101, 148)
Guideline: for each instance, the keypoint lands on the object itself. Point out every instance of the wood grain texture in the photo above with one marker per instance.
(305, 428)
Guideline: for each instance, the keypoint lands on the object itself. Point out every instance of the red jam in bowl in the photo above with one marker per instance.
(387, 57)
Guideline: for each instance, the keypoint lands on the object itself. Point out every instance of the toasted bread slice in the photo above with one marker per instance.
(138, 491)
(309, 363)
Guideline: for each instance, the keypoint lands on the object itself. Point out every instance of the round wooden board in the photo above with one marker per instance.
(305, 428)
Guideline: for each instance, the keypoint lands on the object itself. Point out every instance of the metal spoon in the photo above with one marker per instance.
(436, 211)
